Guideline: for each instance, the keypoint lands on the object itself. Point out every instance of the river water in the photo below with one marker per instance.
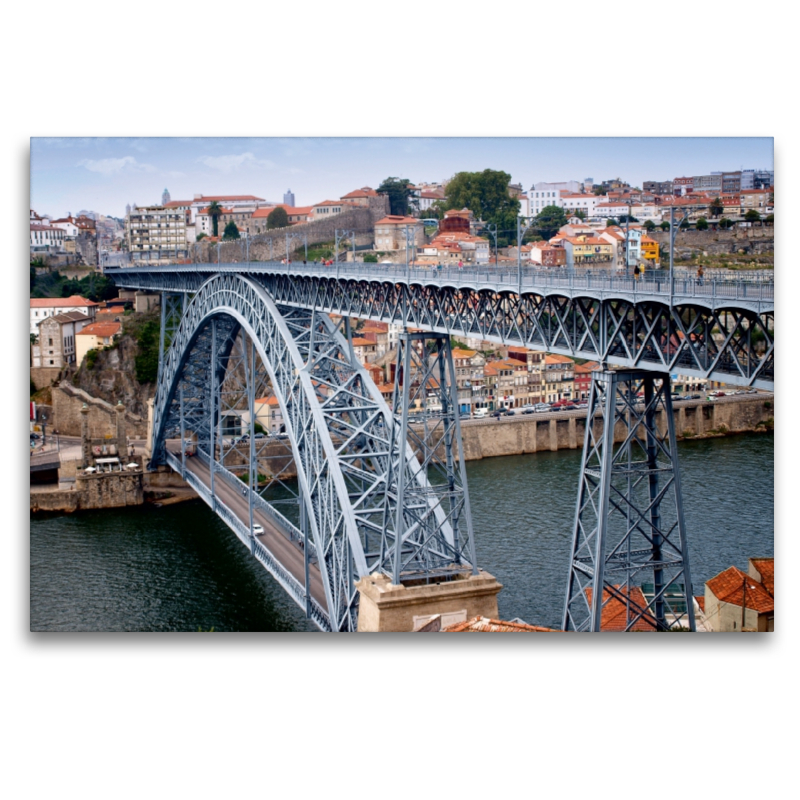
(179, 568)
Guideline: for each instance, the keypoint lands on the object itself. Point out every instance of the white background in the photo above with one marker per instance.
(119, 716)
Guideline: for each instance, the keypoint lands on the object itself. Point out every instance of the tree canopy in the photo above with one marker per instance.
(701, 224)
(725, 223)
(485, 194)
(215, 212)
(231, 231)
(716, 207)
(399, 192)
(664, 226)
(278, 218)
(549, 220)
(752, 216)
(649, 225)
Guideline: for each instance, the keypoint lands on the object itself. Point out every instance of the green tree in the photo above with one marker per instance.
(278, 218)
(770, 219)
(598, 190)
(725, 223)
(549, 220)
(702, 224)
(201, 236)
(649, 226)
(399, 194)
(370, 258)
(215, 212)
(146, 361)
(610, 222)
(716, 207)
(580, 214)
(485, 194)
(684, 223)
(627, 218)
(664, 226)
(231, 231)
(752, 216)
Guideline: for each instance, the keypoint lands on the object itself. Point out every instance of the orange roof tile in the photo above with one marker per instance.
(487, 625)
(732, 584)
(766, 568)
(615, 613)
(101, 329)
(61, 302)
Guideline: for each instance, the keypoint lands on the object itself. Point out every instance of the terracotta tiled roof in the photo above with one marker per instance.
(459, 353)
(101, 329)
(614, 614)
(551, 359)
(701, 601)
(67, 316)
(766, 568)
(365, 192)
(732, 584)
(270, 401)
(487, 625)
(360, 341)
(207, 198)
(61, 302)
(178, 203)
(393, 219)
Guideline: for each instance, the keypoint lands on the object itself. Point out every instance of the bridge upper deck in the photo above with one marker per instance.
(754, 292)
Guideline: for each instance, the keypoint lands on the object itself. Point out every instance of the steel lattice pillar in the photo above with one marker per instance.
(427, 532)
(629, 564)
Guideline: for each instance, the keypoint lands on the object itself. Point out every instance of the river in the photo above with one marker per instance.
(179, 568)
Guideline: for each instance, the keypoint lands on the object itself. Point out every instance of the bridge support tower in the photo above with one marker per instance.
(629, 564)
(427, 557)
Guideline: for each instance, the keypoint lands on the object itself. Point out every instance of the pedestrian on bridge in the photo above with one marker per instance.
(636, 272)
(700, 275)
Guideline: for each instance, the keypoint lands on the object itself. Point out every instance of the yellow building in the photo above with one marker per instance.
(95, 336)
(649, 249)
(587, 250)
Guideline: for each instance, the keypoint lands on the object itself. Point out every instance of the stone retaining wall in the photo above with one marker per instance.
(66, 415)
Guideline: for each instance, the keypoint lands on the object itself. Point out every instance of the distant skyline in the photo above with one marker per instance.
(104, 174)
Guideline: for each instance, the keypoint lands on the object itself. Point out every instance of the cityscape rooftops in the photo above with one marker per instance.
(732, 585)
(61, 302)
(101, 329)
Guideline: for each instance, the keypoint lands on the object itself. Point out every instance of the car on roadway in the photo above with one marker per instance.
(35, 436)
(510, 412)
(259, 436)
(542, 407)
(529, 408)
(481, 413)
(258, 530)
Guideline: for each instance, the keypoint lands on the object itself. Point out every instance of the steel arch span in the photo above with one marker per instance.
(343, 437)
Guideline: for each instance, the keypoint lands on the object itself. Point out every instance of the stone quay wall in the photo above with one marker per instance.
(566, 430)
(108, 490)
(66, 415)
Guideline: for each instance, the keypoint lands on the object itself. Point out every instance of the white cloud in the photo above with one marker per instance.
(234, 162)
(114, 166)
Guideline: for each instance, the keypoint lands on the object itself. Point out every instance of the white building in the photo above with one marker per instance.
(541, 198)
(46, 239)
(156, 233)
(572, 202)
(613, 209)
(44, 307)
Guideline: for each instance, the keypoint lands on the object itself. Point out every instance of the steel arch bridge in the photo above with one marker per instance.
(367, 498)
(367, 502)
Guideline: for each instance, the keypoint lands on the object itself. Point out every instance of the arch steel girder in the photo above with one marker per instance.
(643, 334)
(337, 422)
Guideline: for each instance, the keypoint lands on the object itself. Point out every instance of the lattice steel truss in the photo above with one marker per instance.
(233, 342)
(723, 332)
(629, 527)
(427, 524)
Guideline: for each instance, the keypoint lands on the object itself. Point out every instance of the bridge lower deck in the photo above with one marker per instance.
(287, 552)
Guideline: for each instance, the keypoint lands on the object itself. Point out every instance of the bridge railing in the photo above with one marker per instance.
(280, 521)
(755, 285)
(293, 587)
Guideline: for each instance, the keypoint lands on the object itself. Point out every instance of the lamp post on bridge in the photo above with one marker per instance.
(290, 237)
(521, 231)
(491, 228)
(411, 241)
(340, 236)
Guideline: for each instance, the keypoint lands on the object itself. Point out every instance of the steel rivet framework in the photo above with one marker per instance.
(427, 524)
(629, 529)
(232, 343)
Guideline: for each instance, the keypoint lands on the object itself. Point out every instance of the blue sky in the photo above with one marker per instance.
(103, 174)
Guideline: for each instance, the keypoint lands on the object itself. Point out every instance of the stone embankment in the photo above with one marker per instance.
(694, 419)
